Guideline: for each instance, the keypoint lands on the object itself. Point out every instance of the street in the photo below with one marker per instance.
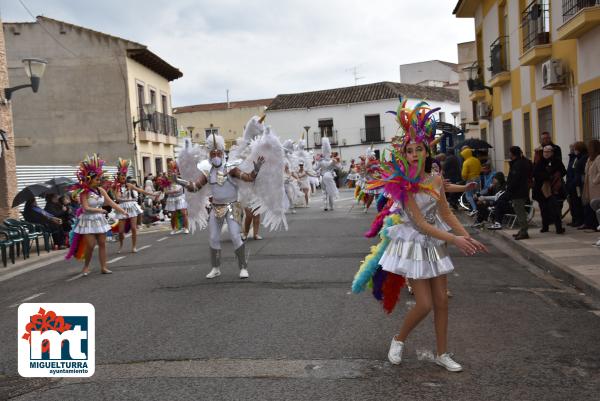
(293, 330)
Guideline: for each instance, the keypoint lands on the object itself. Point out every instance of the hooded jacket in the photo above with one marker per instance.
(471, 168)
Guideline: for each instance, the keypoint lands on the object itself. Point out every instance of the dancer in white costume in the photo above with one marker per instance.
(259, 175)
(126, 196)
(289, 180)
(176, 203)
(325, 167)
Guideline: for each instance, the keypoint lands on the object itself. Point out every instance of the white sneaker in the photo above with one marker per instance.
(495, 226)
(293, 211)
(186, 231)
(597, 243)
(257, 237)
(244, 273)
(215, 272)
(244, 237)
(395, 353)
(173, 232)
(446, 361)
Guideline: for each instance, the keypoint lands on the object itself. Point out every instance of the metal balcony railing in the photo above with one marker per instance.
(475, 77)
(572, 7)
(535, 24)
(372, 134)
(160, 123)
(499, 55)
(331, 134)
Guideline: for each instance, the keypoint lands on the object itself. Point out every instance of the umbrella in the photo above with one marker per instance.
(30, 192)
(476, 143)
(60, 185)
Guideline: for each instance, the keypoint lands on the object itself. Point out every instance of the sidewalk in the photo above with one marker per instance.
(35, 262)
(570, 256)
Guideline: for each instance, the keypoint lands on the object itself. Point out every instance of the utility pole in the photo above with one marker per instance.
(8, 163)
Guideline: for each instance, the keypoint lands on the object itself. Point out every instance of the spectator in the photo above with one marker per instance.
(55, 207)
(487, 175)
(591, 185)
(494, 195)
(451, 172)
(471, 170)
(550, 189)
(34, 214)
(149, 183)
(575, 176)
(545, 140)
(517, 187)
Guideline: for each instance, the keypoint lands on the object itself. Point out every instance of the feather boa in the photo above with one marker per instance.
(188, 161)
(177, 217)
(369, 266)
(77, 245)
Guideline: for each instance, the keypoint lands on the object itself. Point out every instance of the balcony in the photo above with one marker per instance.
(535, 27)
(499, 66)
(475, 82)
(331, 134)
(579, 16)
(372, 135)
(162, 128)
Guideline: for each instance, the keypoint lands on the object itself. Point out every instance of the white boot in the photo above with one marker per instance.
(244, 273)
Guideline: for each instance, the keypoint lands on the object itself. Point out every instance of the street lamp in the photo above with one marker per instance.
(306, 128)
(148, 111)
(34, 68)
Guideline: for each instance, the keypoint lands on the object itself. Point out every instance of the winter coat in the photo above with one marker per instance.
(517, 183)
(591, 186)
(471, 165)
(549, 172)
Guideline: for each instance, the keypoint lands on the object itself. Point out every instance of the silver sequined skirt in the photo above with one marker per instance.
(131, 208)
(176, 203)
(92, 223)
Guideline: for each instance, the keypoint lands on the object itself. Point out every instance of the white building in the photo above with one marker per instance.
(353, 117)
(430, 73)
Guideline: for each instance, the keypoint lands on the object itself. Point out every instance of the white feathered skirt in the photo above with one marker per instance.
(175, 203)
(414, 255)
(131, 208)
(92, 223)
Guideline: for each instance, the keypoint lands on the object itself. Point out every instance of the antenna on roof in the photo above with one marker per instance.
(354, 71)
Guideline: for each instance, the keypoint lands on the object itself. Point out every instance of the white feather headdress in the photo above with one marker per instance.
(326, 147)
(215, 142)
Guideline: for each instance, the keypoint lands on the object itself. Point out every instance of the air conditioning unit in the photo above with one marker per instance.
(553, 74)
(483, 110)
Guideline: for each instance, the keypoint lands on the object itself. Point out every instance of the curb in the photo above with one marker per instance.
(557, 269)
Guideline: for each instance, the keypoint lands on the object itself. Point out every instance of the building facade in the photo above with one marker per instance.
(227, 119)
(537, 70)
(430, 73)
(93, 90)
(469, 120)
(354, 118)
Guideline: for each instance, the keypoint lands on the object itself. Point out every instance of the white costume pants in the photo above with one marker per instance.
(214, 231)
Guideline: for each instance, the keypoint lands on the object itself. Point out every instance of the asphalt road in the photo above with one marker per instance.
(293, 331)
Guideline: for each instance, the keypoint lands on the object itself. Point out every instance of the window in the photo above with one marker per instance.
(475, 116)
(210, 131)
(164, 104)
(159, 165)
(153, 97)
(484, 134)
(146, 165)
(372, 131)
(590, 111)
(140, 99)
(442, 116)
(545, 120)
(527, 134)
(507, 136)
(326, 127)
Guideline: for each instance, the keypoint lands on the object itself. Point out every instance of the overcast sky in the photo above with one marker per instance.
(258, 49)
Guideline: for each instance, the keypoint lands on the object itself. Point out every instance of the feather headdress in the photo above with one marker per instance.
(215, 142)
(417, 123)
(91, 167)
(123, 167)
(326, 147)
(172, 167)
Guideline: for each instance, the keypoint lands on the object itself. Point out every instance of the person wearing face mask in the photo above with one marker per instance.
(224, 207)
(415, 234)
